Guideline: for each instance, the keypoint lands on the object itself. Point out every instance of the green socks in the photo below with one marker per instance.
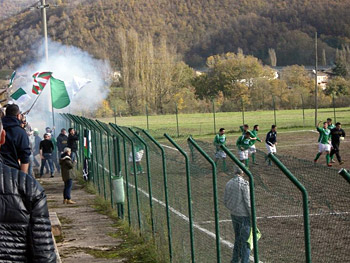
(246, 162)
(327, 158)
(253, 157)
(318, 156)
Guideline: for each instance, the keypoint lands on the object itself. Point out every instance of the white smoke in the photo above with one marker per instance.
(65, 62)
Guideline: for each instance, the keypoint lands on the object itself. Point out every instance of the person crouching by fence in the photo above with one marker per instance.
(67, 172)
(237, 200)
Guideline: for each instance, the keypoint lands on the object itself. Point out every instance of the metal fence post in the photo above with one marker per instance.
(333, 100)
(302, 105)
(148, 177)
(189, 196)
(147, 117)
(345, 174)
(302, 189)
(115, 127)
(252, 199)
(242, 105)
(95, 154)
(106, 129)
(177, 121)
(215, 196)
(118, 133)
(214, 117)
(165, 192)
(274, 109)
(117, 170)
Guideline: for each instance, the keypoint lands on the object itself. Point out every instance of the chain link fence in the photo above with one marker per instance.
(174, 194)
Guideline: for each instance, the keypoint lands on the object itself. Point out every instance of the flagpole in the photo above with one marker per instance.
(31, 107)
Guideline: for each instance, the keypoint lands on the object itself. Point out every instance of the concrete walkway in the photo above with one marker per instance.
(83, 228)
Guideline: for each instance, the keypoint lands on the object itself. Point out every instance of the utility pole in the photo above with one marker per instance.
(316, 87)
(43, 7)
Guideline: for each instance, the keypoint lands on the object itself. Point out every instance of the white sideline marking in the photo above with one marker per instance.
(171, 148)
(178, 213)
(283, 216)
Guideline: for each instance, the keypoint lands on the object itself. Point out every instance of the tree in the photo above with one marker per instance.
(273, 57)
(338, 86)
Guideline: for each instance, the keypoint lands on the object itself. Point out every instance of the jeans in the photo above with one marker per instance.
(241, 250)
(73, 156)
(67, 189)
(55, 161)
(30, 167)
(48, 158)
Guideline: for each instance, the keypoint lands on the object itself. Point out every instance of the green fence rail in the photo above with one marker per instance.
(176, 200)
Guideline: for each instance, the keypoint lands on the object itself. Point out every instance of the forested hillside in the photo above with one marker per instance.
(196, 28)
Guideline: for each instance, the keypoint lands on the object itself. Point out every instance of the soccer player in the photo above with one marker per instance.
(244, 128)
(139, 151)
(220, 139)
(243, 144)
(271, 141)
(337, 134)
(330, 124)
(253, 138)
(323, 142)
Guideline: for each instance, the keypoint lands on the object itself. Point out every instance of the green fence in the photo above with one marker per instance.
(174, 196)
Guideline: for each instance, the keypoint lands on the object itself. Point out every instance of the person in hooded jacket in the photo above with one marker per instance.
(24, 217)
(16, 151)
(62, 141)
(67, 175)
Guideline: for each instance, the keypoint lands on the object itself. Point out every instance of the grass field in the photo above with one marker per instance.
(278, 203)
(199, 124)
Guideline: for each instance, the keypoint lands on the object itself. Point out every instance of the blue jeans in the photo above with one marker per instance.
(73, 156)
(67, 189)
(30, 167)
(48, 158)
(241, 250)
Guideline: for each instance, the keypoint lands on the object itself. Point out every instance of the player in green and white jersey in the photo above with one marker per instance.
(330, 124)
(220, 139)
(243, 145)
(253, 138)
(324, 142)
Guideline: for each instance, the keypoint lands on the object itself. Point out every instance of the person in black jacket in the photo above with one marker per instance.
(62, 141)
(46, 148)
(73, 137)
(16, 148)
(337, 134)
(24, 217)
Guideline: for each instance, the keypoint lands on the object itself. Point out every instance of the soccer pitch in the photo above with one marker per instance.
(200, 124)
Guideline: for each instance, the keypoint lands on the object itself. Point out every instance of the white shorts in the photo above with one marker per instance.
(271, 149)
(252, 149)
(324, 147)
(138, 156)
(220, 155)
(243, 155)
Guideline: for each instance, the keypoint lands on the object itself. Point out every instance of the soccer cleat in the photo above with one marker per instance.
(329, 165)
(341, 162)
(332, 161)
(51, 176)
(315, 161)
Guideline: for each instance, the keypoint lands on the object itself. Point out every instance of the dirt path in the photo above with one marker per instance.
(85, 231)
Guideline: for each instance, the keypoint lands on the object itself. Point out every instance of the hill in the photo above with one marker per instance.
(196, 28)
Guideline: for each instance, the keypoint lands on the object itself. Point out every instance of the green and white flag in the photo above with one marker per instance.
(20, 96)
(12, 78)
(59, 94)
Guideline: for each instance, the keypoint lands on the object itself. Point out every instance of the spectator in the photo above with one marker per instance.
(62, 140)
(46, 148)
(54, 151)
(73, 137)
(237, 200)
(16, 151)
(24, 217)
(67, 175)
